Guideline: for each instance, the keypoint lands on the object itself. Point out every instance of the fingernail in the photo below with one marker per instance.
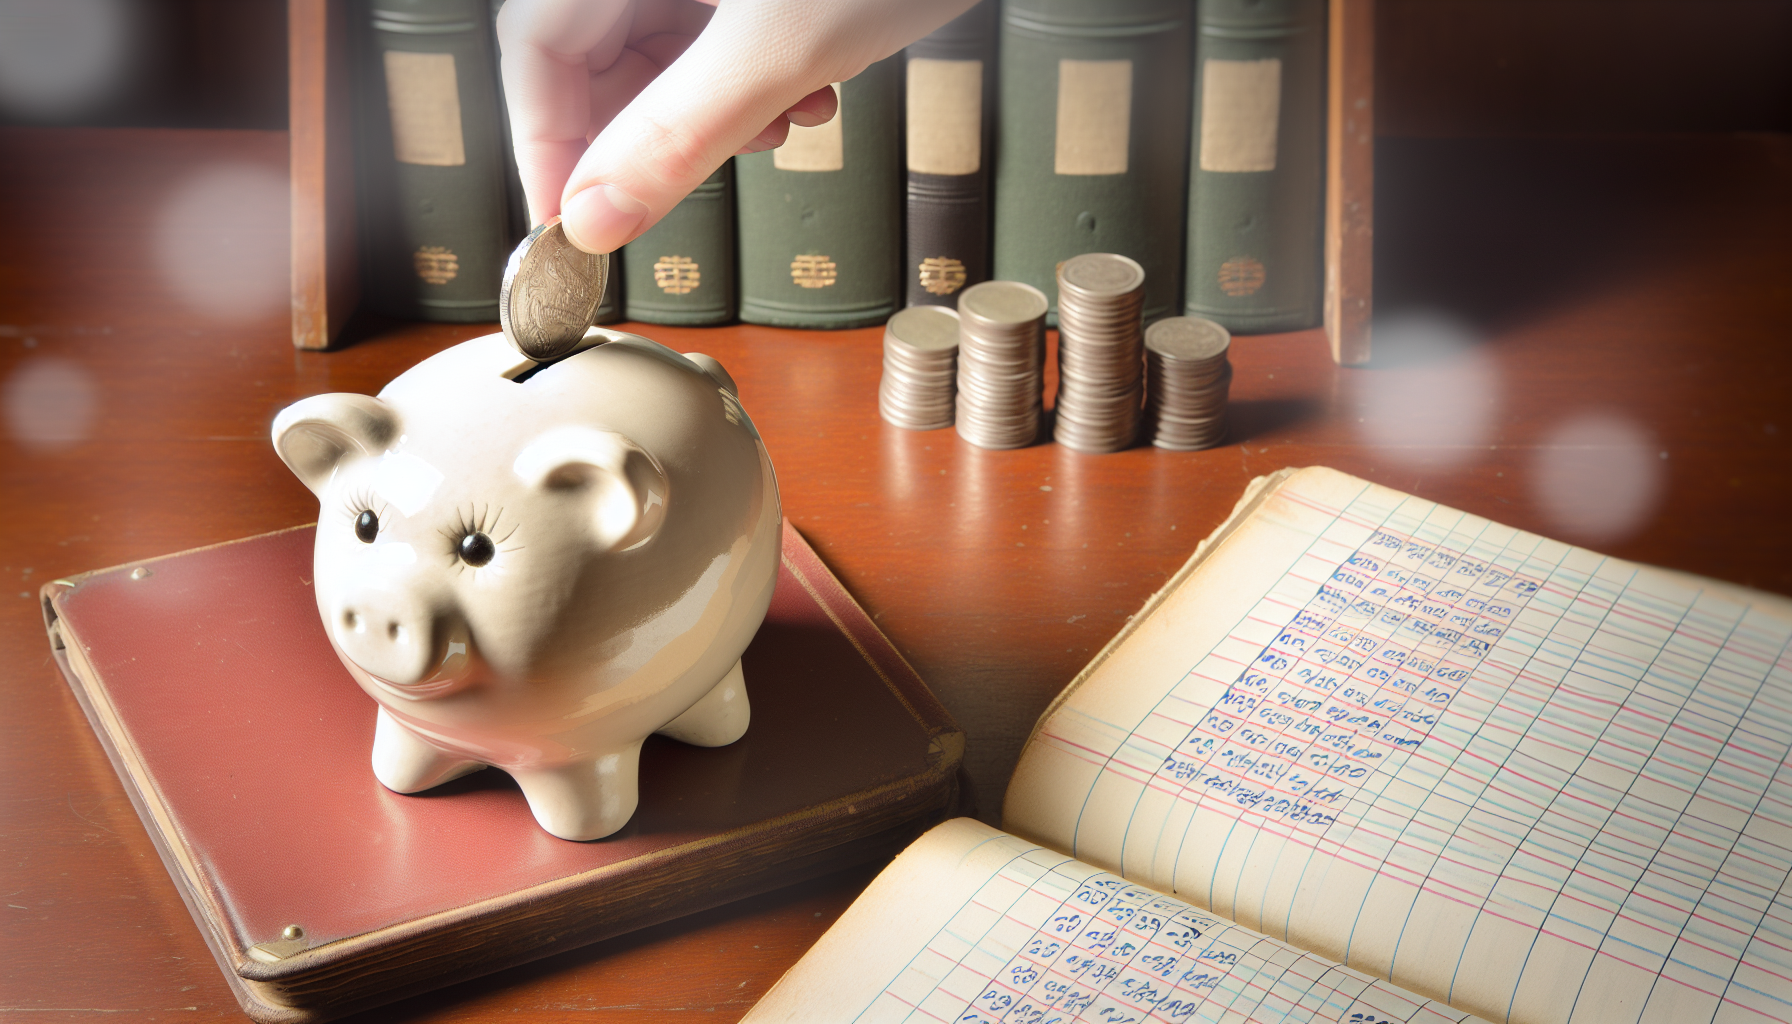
(806, 118)
(601, 218)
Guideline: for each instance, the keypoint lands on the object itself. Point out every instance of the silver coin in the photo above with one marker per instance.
(550, 293)
(1190, 339)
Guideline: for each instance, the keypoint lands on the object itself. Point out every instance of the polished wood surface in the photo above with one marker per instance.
(1586, 338)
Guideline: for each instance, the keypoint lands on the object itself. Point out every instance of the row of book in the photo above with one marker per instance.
(1186, 134)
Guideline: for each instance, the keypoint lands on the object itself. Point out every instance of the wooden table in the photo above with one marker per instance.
(1591, 339)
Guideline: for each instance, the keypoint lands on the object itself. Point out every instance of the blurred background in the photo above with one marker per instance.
(1444, 67)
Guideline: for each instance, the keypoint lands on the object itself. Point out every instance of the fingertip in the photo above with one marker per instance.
(815, 109)
(602, 218)
(772, 137)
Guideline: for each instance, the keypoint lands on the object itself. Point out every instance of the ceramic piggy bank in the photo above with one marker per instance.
(535, 568)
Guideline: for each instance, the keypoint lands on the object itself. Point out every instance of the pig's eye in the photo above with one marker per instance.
(367, 526)
(476, 549)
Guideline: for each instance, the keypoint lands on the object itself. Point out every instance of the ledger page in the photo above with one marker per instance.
(1509, 774)
(973, 926)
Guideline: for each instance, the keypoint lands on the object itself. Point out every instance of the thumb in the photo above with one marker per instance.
(738, 76)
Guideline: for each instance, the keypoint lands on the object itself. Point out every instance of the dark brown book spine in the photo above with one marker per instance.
(950, 108)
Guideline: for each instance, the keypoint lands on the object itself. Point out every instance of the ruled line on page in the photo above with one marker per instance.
(1467, 723)
(1048, 940)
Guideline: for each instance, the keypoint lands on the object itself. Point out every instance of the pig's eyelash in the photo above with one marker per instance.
(480, 519)
(361, 500)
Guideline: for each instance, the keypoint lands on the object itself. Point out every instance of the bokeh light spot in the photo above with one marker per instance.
(61, 58)
(221, 241)
(1598, 478)
(49, 403)
(1438, 405)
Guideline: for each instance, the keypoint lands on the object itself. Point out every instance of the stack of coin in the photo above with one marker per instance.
(1001, 363)
(920, 365)
(1185, 407)
(1100, 369)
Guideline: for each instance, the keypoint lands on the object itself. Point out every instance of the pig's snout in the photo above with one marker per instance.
(407, 643)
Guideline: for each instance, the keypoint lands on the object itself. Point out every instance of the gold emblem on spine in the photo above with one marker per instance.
(1241, 276)
(813, 271)
(941, 275)
(436, 264)
(677, 275)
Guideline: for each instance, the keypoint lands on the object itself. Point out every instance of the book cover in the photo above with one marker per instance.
(949, 108)
(681, 270)
(1256, 184)
(1092, 140)
(245, 746)
(431, 190)
(820, 217)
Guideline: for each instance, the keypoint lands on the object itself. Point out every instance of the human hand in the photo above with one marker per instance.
(619, 108)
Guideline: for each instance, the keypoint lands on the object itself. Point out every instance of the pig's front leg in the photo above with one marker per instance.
(719, 718)
(587, 800)
(406, 764)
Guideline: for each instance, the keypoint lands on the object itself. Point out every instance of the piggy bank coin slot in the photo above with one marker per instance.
(537, 368)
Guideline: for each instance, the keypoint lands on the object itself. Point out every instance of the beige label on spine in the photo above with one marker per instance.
(425, 105)
(822, 148)
(945, 116)
(1241, 101)
(1094, 116)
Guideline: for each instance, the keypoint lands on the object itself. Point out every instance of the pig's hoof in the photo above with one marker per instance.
(588, 800)
(719, 718)
(405, 764)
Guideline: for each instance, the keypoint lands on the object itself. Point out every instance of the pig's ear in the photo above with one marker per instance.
(626, 489)
(313, 436)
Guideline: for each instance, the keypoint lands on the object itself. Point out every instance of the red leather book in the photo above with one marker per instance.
(245, 747)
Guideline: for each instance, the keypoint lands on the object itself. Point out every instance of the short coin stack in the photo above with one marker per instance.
(1185, 407)
(920, 356)
(1100, 369)
(1001, 363)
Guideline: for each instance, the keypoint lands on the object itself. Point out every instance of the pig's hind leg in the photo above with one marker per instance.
(406, 764)
(586, 800)
(719, 718)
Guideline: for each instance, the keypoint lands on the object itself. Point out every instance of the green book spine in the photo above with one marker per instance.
(1092, 140)
(1256, 229)
(430, 164)
(515, 202)
(820, 218)
(682, 270)
(609, 308)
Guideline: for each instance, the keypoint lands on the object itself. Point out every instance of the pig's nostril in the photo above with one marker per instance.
(351, 621)
(395, 632)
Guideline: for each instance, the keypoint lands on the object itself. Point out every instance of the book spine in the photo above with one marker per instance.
(950, 111)
(610, 306)
(434, 210)
(516, 203)
(1257, 168)
(820, 218)
(681, 271)
(1092, 140)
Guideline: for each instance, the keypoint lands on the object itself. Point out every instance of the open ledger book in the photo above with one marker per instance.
(1368, 759)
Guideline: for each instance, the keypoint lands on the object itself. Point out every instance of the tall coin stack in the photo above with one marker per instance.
(1100, 369)
(1001, 363)
(920, 356)
(1185, 406)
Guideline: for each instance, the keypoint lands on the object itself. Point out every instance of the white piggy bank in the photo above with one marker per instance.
(537, 570)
